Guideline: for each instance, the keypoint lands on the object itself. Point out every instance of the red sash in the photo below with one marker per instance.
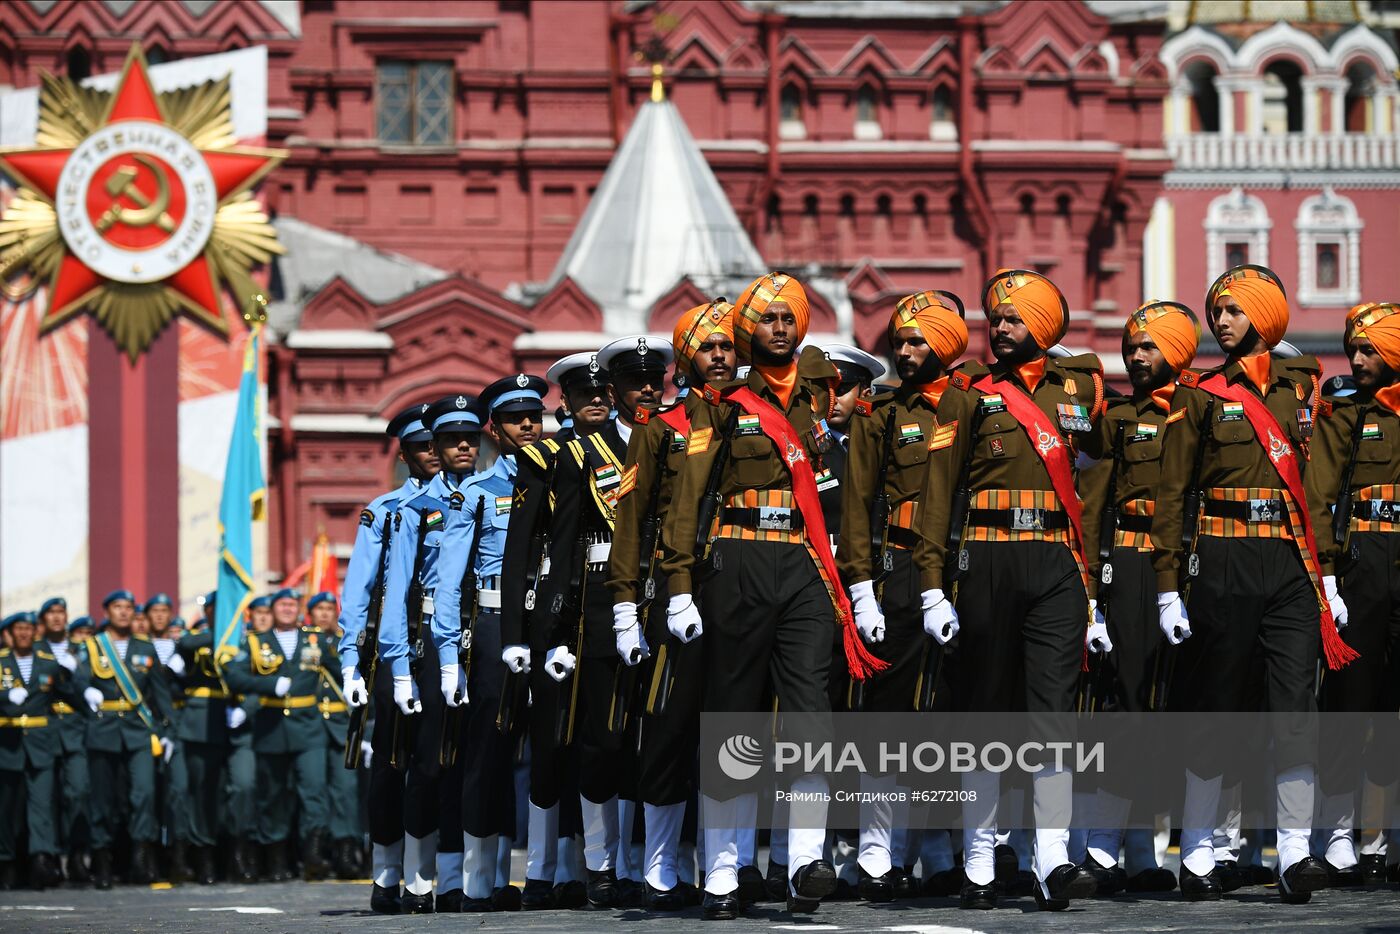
(1045, 437)
(804, 492)
(1274, 440)
(677, 420)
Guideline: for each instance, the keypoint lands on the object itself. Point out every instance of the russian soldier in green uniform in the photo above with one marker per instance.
(172, 778)
(70, 726)
(131, 729)
(342, 785)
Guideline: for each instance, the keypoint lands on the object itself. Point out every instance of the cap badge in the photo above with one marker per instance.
(642, 346)
(460, 402)
(522, 381)
(593, 363)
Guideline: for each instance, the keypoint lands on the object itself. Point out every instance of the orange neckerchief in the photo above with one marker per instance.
(781, 379)
(1388, 398)
(1258, 369)
(1031, 373)
(934, 391)
(1162, 398)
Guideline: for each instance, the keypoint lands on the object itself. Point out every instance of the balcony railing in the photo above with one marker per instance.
(1291, 151)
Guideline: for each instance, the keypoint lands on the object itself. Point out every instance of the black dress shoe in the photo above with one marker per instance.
(1108, 880)
(1349, 878)
(243, 865)
(143, 867)
(690, 895)
(752, 886)
(810, 885)
(905, 885)
(571, 895)
(473, 906)
(776, 881)
(602, 888)
(1065, 883)
(384, 901)
(78, 873)
(631, 894)
(102, 869)
(1251, 874)
(1371, 867)
(876, 888)
(9, 876)
(664, 899)
(1296, 885)
(1227, 872)
(178, 863)
(720, 907)
(538, 895)
(204, 872)
(506, 898)
(412, 904)
(944, 884)
(1196, 888)
(449, 902)
(1006, 864)
(1018, 884)
(1152, 880)
(976, 897)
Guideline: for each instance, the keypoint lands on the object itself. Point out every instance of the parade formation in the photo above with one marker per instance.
(798, 531)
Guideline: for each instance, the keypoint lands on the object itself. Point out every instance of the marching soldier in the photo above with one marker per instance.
(174, 790)
(127, 691)
(1010, 443)
(284, 668)
(363, 592)
(70, 731)
(31, 679)
(891, 437)
(469, 582)
(1254, 417)
(703, 343)
(1159, 341)
(771, 623)
(342, 784)
(431, 800)
(1353, 483)
(260, 614)
(53, 623)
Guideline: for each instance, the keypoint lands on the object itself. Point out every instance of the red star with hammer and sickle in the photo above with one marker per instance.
(232, 170)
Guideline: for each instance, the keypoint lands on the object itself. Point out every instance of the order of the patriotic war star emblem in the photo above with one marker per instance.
(135, 205)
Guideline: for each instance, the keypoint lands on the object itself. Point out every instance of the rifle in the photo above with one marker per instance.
(625, 681)
(368, 644)
(515, 690)
(399, 757)
(578, 586)
(926, 688)
(1090, 693)
(466, 616)
(1341, 516)
(881, 560)
(1190, 529)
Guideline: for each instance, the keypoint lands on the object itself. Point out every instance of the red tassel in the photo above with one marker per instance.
(1084, 662)
(1338, 653)
(859, 662)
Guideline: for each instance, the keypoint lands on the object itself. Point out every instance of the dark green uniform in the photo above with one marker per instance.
(207, 742)
(71, 773)
(28, 748)
(342, 785)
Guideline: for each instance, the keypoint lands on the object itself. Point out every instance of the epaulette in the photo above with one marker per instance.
(366, 517)
(1083, 363)
(711, 393)
(1191, 378)
(550, 445)
(4, 653)
(973, 369)
(41, 654)
(1306, 363)
(1324, 408)
(455, 499)
(576, 449)
(642, 417)
(141, 637)
(960, 380)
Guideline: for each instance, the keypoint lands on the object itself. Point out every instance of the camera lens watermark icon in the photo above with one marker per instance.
(740, 757)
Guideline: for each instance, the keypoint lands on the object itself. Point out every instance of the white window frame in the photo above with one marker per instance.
(1236, 218)
(1328, 217)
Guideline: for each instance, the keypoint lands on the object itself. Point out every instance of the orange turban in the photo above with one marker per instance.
(696, 326)
(1380, 325)
(1260, 297)
(1036, 299)
(937, 315)
(1173, 328)
(762, 292)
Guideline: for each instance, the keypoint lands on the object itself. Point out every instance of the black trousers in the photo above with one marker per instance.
(666, 763)
(386, 784)
(1022, 612)
(423, 788)
(1370, 684)
(1132, 626)
(1252, 596)
(485, 756)
(905, 643)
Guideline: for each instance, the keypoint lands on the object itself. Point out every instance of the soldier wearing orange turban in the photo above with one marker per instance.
(1172, 327)
(1379, 324)
(695, 327)
(938, 317)
(1036, 299)
(1260, 297)
(770, 289)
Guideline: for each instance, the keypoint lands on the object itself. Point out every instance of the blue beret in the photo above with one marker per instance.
(25, 616)
(52, 602)
(453, 413)
(103, 625)
(519, 393)
(286, 593)
(118, 595)
(78, 623)
(159, 599)
(324, 596)
(177, 622)
(263, 602)
(408, 424)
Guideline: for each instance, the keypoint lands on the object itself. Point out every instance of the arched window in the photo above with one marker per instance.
(1283, 99)
(1361, 89)
(1205, 98)
(1237, 231)
(867, 113)
(1329, 250)
(790, 121)
(944, 124)
(79, 65)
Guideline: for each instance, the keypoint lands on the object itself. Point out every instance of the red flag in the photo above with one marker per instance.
(324, 573)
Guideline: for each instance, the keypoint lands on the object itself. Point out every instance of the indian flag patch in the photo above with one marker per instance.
(606, 475)
(1232, 411)
(502, 505)
(1371, 432)
(1146, 430)
(748, 425)
(993, 403)
(433, 518)
(908, 434)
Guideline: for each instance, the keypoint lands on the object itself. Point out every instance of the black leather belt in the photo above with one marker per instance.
(1377, 510)
(762, 518)
(1019, 520)
(1135, 523)
(902, 538)
(1250, 510)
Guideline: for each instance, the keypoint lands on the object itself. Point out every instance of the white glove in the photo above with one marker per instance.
(283, 685)
(235, 717)
(940, 619)
(517, 659)
(93, 697)
(406, 695)
(559, 662)
(453, 684)
(1334, 600)
(66, 661)
(627, 632)
(366, 753)
(1096, 639)
(683, 618)
(176, 665)
(18, 696)
(167, 748)
(869, 620)
(1171, 616)
(356, 693)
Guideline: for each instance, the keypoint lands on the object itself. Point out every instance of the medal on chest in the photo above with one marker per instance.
(1073, 418)
(826, 480)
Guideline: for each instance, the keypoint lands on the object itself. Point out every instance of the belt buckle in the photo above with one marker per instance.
(1264, 510)
(429, 607)
(1382, 510)
(774, 519)
(1028, 520)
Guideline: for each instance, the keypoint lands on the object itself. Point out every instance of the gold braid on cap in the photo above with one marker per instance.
(1235, 274)
(1153, 309)
(1358, 325)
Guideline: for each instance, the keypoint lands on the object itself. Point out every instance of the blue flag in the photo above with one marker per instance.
(244, 495)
